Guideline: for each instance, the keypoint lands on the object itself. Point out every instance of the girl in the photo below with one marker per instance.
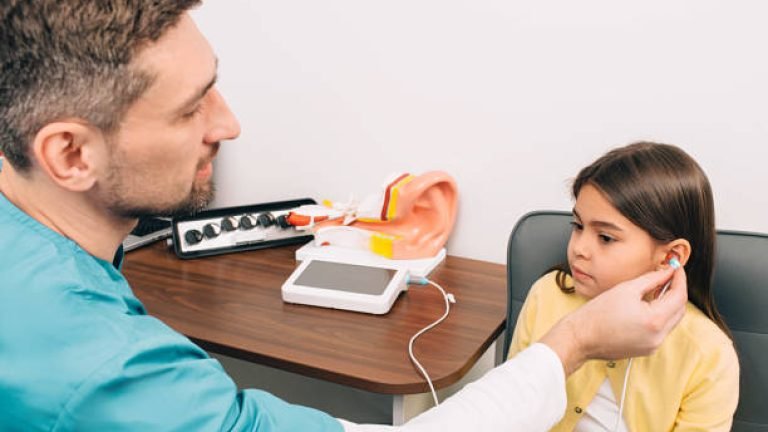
(636, 208)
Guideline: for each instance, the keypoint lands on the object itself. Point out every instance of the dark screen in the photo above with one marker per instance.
(346, 277)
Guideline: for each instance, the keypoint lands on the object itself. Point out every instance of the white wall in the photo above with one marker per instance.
(510, 97)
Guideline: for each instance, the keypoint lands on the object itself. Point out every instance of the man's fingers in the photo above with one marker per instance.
(671, 306)
(677, 293)
(653, 280)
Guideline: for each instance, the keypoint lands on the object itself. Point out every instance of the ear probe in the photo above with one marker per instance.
(675, 264)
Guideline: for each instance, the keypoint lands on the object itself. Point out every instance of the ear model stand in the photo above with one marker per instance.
(233, 229)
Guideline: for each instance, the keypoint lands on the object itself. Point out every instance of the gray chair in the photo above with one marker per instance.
(539, 241)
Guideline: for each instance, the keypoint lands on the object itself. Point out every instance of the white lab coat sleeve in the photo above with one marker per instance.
(525, 394)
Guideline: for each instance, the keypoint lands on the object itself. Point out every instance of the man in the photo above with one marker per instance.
(108, 111)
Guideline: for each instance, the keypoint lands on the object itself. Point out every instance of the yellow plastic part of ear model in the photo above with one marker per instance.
(394, 195)
(381, 244)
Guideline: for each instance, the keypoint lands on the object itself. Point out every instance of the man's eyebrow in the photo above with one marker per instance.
(200, 93)
(598, 223)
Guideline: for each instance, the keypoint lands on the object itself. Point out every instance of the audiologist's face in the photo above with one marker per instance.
(161, 157)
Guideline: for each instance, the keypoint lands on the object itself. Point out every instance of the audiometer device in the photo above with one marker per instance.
(233, 229)
(366, 288)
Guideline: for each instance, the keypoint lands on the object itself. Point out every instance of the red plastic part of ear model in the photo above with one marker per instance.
(387, 196)
(303, 220)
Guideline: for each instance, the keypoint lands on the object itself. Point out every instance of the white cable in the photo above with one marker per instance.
(675, 264)
(448, 300)
(623, 395)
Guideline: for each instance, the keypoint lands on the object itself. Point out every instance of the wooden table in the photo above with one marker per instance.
(231, 304)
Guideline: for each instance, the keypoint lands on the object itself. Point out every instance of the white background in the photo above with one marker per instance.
(512, 98)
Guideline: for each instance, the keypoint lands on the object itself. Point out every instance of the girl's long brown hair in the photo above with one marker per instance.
(661, 189)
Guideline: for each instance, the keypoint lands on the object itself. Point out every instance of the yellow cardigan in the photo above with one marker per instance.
(691, 383)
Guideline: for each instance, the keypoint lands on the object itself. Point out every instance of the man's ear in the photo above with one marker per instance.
(71, 153)
(679, 248)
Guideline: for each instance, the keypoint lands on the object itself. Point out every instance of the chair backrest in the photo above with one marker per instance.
(539, 241)
(741, 295)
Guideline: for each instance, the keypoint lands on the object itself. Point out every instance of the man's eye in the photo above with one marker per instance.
(577, 226)
(194, 112)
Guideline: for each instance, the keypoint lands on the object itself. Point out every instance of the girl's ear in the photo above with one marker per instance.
(679, 248)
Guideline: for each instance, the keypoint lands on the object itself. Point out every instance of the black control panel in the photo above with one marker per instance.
(233, 229)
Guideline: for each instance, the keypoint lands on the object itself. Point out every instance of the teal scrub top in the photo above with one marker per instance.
(78, 351)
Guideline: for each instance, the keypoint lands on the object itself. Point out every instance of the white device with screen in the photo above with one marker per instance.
(361, 288)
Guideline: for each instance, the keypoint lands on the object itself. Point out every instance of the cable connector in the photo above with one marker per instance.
(417, 280)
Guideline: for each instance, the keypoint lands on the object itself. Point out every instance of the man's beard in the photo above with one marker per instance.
(121, 199)
(198, 199)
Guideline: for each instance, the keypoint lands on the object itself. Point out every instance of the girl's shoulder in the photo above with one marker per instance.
(699, 333)
(544, 305)
(546, 291)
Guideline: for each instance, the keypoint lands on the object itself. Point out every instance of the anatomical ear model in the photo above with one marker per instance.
(410, 218)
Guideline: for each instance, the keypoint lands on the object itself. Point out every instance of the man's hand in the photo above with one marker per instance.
(619, 323)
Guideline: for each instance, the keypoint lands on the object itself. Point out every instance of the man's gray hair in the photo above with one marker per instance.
(73, 60)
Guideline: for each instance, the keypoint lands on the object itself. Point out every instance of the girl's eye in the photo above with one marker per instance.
(606, 238)
(577, 226)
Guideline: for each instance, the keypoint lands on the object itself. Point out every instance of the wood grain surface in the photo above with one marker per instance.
(231, 304)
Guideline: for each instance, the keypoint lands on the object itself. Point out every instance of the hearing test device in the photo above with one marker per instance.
(369, 288)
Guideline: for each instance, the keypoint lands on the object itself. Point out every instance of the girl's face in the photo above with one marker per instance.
(606, 248)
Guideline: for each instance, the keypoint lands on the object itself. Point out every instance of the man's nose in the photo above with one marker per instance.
(223, 124)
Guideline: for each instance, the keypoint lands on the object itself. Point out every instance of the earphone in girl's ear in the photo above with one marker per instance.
(673, 260)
